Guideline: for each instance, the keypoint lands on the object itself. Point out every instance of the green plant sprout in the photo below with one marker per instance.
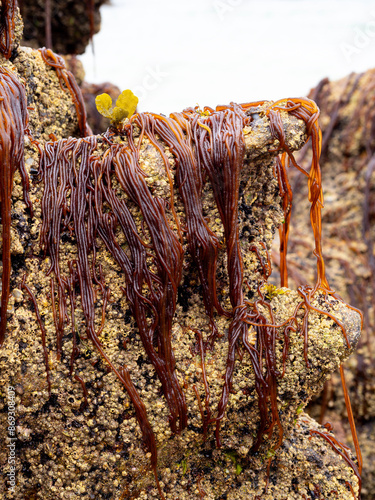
(201, 112)
(125, 107)
(184, 465)
(270, 453)
(232, 455)
(300, 409)
(272, 291)
(298, 412)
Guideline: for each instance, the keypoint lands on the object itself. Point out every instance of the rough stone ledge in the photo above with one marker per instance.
(70, 451)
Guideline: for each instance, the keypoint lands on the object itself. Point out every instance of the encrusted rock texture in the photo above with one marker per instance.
(72, 23)
(72, 447)
(348, 171)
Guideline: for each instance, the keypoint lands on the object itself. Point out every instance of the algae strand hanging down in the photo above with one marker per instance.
(13, 125)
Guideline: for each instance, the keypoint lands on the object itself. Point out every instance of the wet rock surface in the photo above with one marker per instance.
(347, 121)
(81, 439)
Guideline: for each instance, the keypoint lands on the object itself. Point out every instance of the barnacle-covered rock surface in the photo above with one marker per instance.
(348, 169)
(83, 440)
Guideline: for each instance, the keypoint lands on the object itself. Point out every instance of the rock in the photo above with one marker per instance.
(80, 433)
(347, 120)
(72, 24)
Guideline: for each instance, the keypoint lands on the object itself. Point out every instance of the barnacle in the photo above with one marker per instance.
(66, 77)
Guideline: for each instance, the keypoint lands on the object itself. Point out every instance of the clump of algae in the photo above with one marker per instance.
(125, 107)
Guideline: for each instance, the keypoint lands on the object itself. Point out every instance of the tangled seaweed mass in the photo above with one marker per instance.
(7, 25)
(90, 189)
(13, 126)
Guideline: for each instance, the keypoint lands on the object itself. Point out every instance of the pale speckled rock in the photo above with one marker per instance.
(67, 450)
(347, 120)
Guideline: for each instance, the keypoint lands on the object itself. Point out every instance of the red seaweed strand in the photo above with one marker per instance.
(13, 123)
(58, 63)
(7, 24)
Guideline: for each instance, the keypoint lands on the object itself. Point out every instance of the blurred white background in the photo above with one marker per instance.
(179, 53)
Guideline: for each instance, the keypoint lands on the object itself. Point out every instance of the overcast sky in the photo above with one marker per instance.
(174, 54)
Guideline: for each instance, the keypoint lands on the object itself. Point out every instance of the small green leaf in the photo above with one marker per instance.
(272, 291)
(104, 104)
(126, 105)
(118, 114)
(128, 102)
(300, 408)
(184, 466)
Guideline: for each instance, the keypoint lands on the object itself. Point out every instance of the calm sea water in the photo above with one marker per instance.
(175, 54)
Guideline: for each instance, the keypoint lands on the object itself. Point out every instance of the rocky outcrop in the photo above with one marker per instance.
(347, 120)
(66, 363)
(70, 24)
